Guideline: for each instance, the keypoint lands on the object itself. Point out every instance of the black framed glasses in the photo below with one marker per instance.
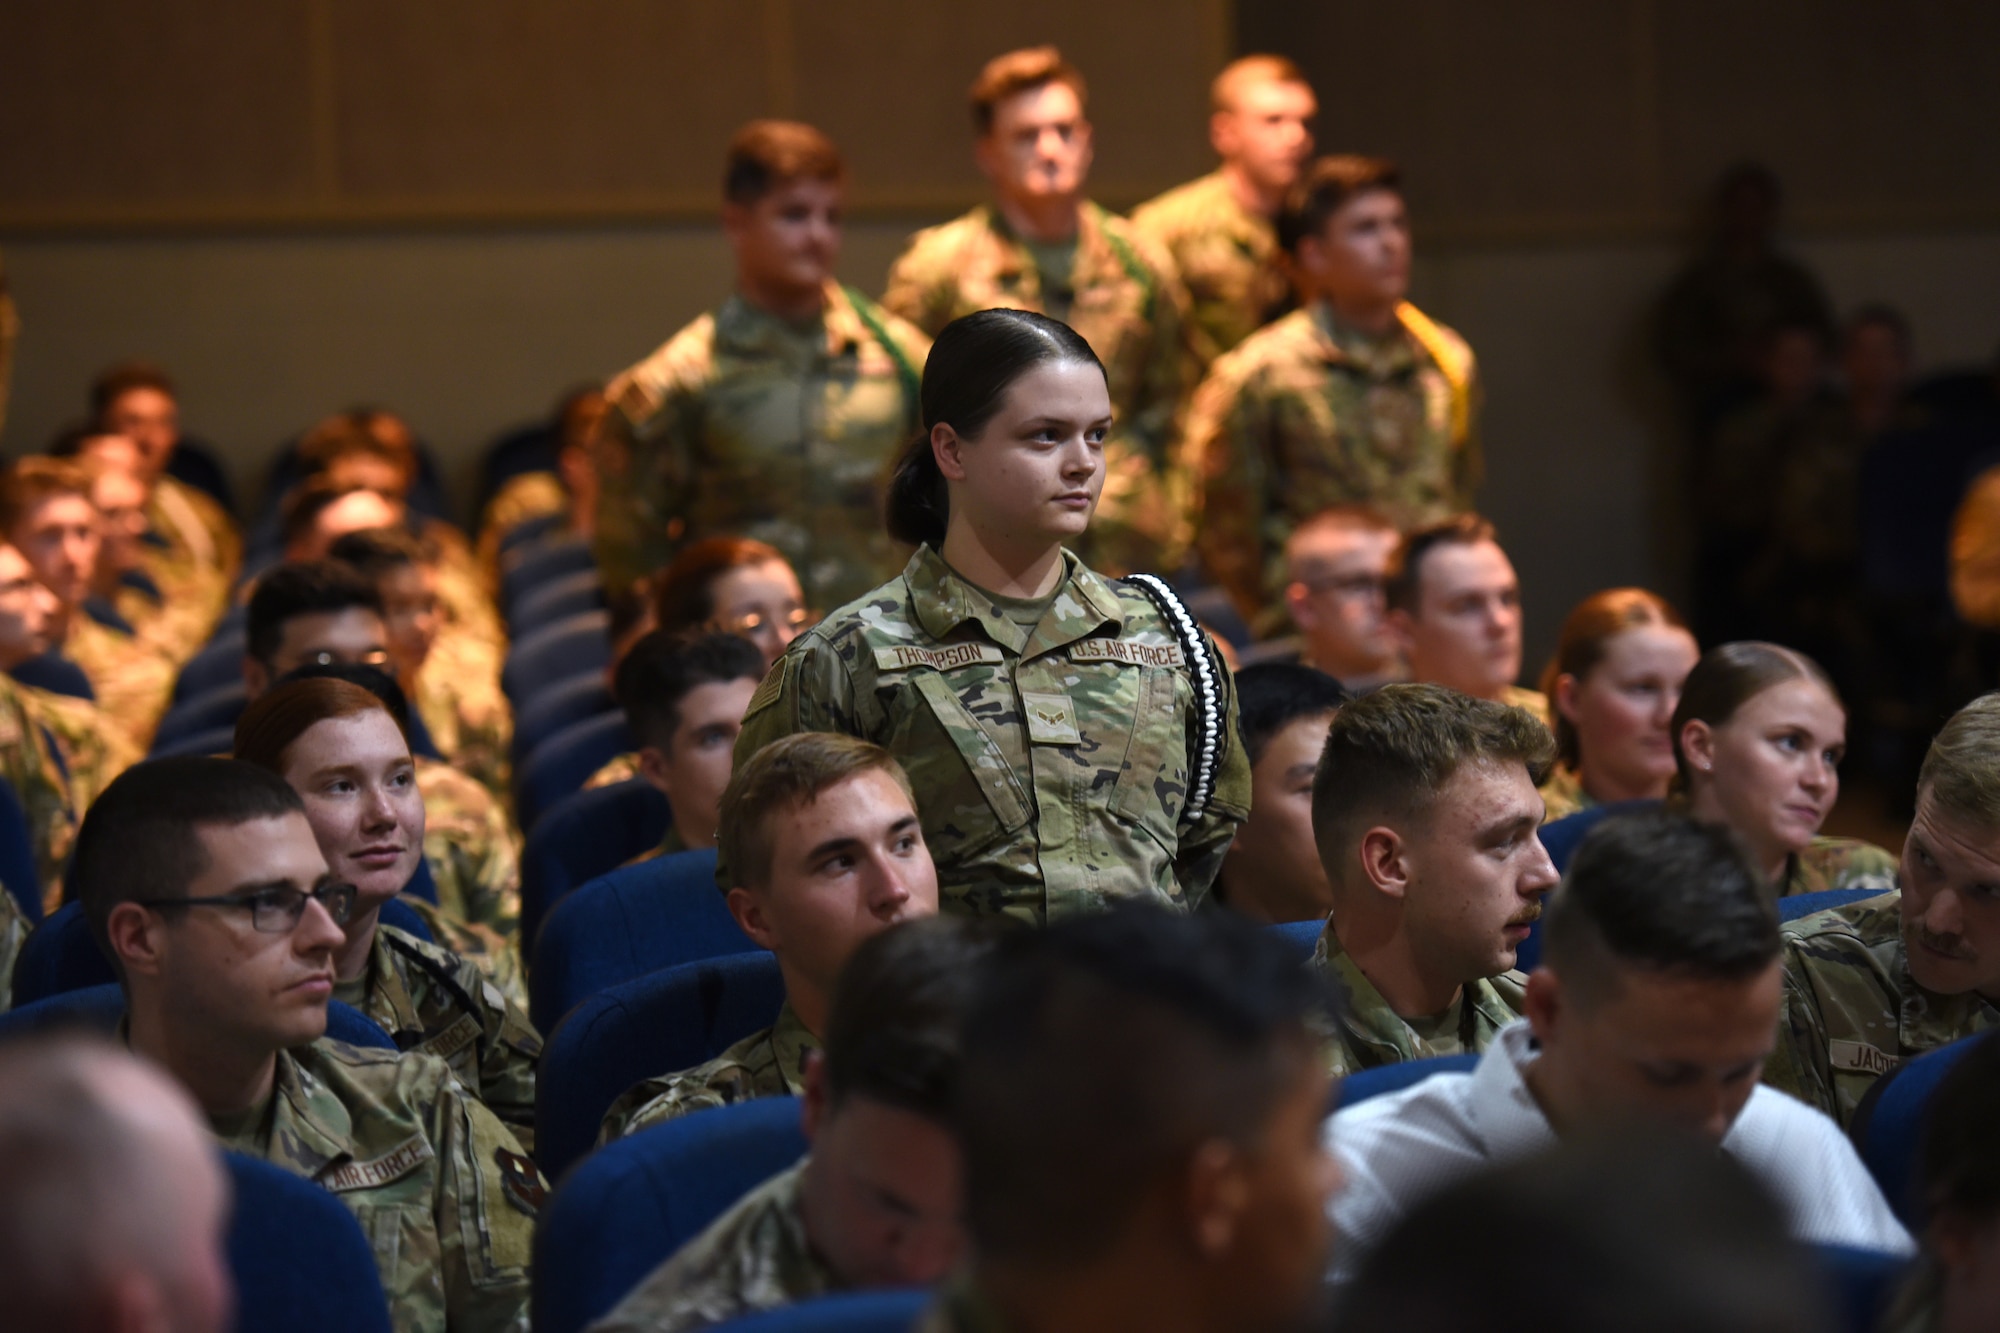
(275, 910)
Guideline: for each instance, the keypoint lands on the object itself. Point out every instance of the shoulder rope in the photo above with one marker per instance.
(1450, 359)
(439, 973)
(1128, 259)
(907, 373)
(1207, 688)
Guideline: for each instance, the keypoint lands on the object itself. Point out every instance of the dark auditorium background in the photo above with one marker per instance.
(458, 208)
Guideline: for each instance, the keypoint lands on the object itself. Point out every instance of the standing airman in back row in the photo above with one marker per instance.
(776, 415)
(1221, 231)
(1041, 245)
(1358, 399)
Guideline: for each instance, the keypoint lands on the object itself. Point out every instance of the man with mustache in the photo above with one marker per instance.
(1871, 984)
(1425, 814)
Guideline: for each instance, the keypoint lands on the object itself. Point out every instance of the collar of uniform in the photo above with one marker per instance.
(942, 601)
(309, 1125)
(743, 327)
(1096, 262)
(1378, 358)
(1366, 1018)
(789, 1042)
(389, 1001)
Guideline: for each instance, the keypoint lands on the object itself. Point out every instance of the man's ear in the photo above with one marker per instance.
(1216, 1194)
(134, 934)
(653, 766)
(1544, 1003)
(749, 913)
(1385, 861)
(812, 1112)
(1698, 745)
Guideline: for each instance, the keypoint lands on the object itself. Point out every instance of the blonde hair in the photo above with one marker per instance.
(789, 772)
(1962, 768)
(1244, 71)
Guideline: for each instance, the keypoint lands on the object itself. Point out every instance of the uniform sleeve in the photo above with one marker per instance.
(1223, 469)
(644, 467)
(509, 1056)
(489, 1193)
(915, 291)
(13, 933)
(1798, 1064)
(1469, 465)
(1205, 843)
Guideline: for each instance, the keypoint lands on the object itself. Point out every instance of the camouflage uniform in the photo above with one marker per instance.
(462, 590)
(1852, 1010)
(1307, 414)
(745, 425)
(133, 679)
(498, 958)
(32, 760)
(770, 1063)
(471, 847)
(623, 768)
(13, 933)
(431, 1000)
(529, 496)
(754, 1257)
(441, 1189)
(178, 629)
(459, 698)
(1227, 256)
(1372, 1034)
(195, 538)
(1053, 763)
(1839, 863)
(1564, 795)
(1128, 303)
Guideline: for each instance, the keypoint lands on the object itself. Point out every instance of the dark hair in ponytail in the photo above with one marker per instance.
(973, 363)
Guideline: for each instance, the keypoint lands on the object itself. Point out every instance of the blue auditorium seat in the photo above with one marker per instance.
(638, 919)
(56, 674)
(1864, 1282)
(18, 873)
(526, 568)
(658, 1024)
(1301, 935)
(556, 652)
(583, 836)
(217, 664)
(207, 711)
(1361, 1085)
(100, 1008)
(1560, 838)
(626, 1208)
(892, 1311)
(557, 599)
(1887, 1127)
(300, 1259)
(1805, 904)
(565, 761)
(560, 705)
(216, 740)
(531, 532)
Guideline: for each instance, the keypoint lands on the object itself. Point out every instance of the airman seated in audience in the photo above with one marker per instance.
(342, 750)
(569, 493)
(1336, 570)
(452, 677)
(822, 830)
(1140, 1100)
(879, 1202)
(1957, 1285)
(46, 512)
(1273, 872)
(323, 613)
(1614, 682)
(139, 402)
(684, 696)
(1455, 605)
(173, 605)
(113, 1204)
(202, 881)
(1657, 1000)
(1425, 814)
(1870, 985)
(1758, 738)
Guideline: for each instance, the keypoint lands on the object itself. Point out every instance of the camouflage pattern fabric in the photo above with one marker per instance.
(133, 679)
(178, 629)
(1307, 414)
(621, 769)
(754, 1257)
(1129, 305)
(1371, 1033)
(498, 958)
(744, 425)
(32, 760)
(1564, 795)
(14, 929)
(1228, 259)
(1053, 763)
(1840, 863)
(1853, 1012)
(473, 850)
(469, 609)
(443, 1192)
(431, 1000)
(531, 495)
(199, 537)
(458, 696)
(770, 1063)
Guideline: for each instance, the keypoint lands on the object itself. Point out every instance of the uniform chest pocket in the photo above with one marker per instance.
(1153, 778)
(967, 790)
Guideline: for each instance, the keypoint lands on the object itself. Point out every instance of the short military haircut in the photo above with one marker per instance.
(892, 1030)
(1324, 187)
(786, 774)
(302, 588)
(1390, 753)
(1403, 588)
(1344, 518)
(1961, 771)
(127, 377)
(1021, 71)
(369, 431)
(141, 838)
(1658, 891)
(32, 481)
(1245, 71)
(1644, 1233)
(1099, 1053)
(659, 670)
(380, 552)
(1273, 695)
(768, 154)
(1958, 1166)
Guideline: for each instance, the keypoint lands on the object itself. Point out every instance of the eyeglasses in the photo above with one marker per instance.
(325, 657)
(1351, 585)
(273, 911)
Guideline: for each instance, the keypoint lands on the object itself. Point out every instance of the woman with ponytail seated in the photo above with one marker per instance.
(1071, 739)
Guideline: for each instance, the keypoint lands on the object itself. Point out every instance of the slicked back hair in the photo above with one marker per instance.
(767, 154)
(892, 1030)
(141, 838)
(1244, 71)
(1663, 892)
(659, 670)
(1730, 675)
(1403, 588)
(1101, 1052)
(1018, 72)
(1389, 753)
(787, 773)
(1962, 768)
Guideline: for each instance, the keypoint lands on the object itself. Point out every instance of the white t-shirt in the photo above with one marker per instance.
(1397, 1149)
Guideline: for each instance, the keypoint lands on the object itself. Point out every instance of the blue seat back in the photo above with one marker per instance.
(219, 707)
(639, 919)
(56, 674)
(1805, 904)
(300, 1259)
(1361, 1085)
(194, 462)
(1561, 838)
(526, 568)
(218, 664)
(216, 740)
(1888, 1125)
(555, 652)
(583, 836)
(1301, 935)
(402, 916)
(531, 532)
(626, 1208)
(570, 595)
(529, 448)
(659, 1024)
(560, 705)
(18, 872)
(561, 764)
(101, 1007)
(894, 1311)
